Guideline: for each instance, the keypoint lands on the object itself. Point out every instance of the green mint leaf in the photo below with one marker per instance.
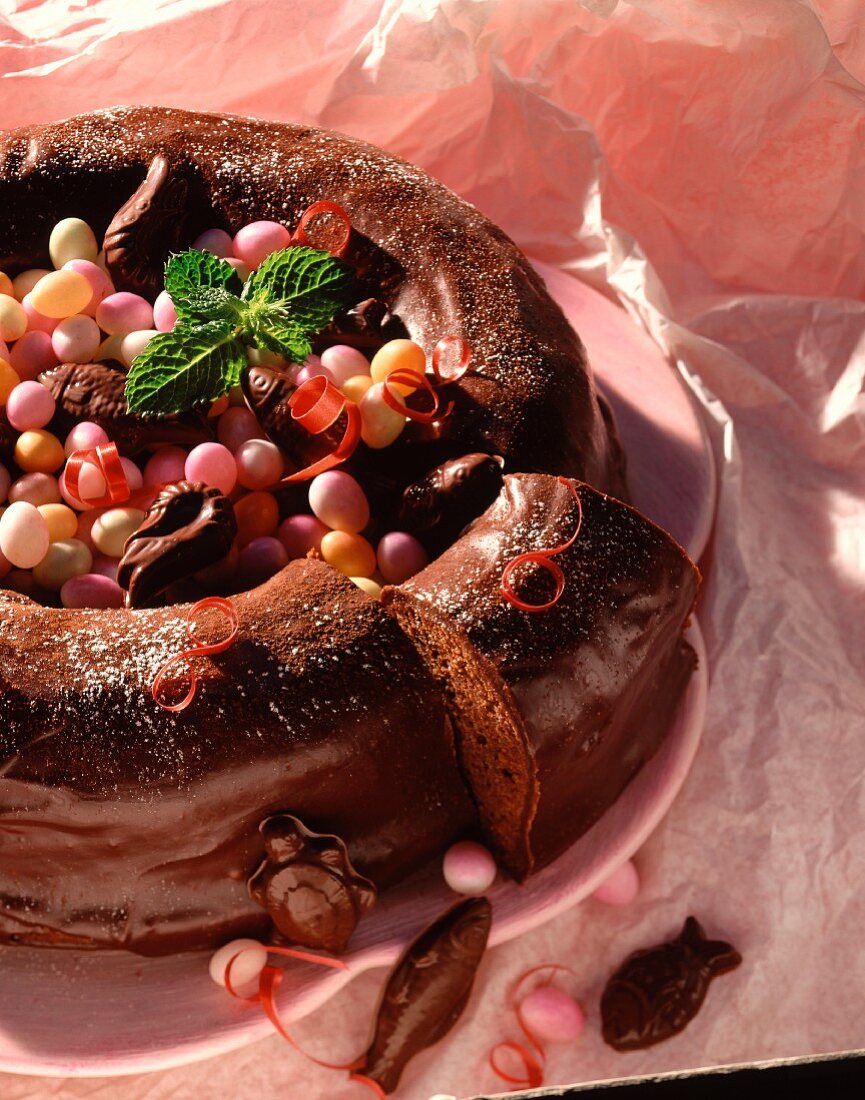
(272, 330)
(211, 303)
(307, 284)
(187, 271)
(177, 370)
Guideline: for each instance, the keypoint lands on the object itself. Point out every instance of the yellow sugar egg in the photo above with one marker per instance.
(61, 521)
(61, 294)
(38, 451)
(6, 285)
(368, 585)
(355, 387)
(111, 530)
(380, 424)
(64, 559)
(13, 319)
(72, 239)
(398, 355)
(349, 553)
(8, 380)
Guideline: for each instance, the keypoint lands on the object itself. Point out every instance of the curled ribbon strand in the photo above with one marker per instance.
(406, 377)
(106, 459)
(542, 558)
(318, 208)
(316, 405)
(198, 649)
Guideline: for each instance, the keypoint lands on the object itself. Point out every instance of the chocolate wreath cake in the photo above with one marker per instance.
(333, 742)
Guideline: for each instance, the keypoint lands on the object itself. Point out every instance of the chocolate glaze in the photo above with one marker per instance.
(187, 527)
(427, 990)
(656, 992)
(308, 886)
(557, 710)
(449, 497)
(125, 825)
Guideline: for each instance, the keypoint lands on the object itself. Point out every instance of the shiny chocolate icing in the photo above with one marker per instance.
(656, 992)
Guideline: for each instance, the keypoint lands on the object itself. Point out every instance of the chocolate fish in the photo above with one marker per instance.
(450, 496)
(427, 990)
(188, 527)
(656, 992)
(146, 229)
(266, 391)
(95, 391)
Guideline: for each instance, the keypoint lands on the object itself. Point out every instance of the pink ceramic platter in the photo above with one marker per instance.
(75, 1013)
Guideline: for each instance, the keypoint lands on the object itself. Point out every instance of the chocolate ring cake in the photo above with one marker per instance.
(341, 741)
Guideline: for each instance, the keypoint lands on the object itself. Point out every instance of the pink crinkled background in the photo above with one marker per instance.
(701, 164)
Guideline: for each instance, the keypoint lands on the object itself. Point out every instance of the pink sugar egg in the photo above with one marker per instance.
(164, 313)
(36, 489)
(165, 465)
(260, 559)
(29, 405)
(301, 533)
(311, 370)
(339, 501)
(85, 527)
(24, 536)
(134, 476)
(123, 312)
(91, 486)
(621, 887)
(100, 282)
(105, 566)
(92, 590)
(216, 241)
(344, 362)
(243, 270)
(551, 1015)
(76, 339)
(236, 425)
(400, 556)
(84, 436)
(259, 463)
(469, 868)
(32, 354)
(37, 322)
(258, 239)
(247, 959)
(213, 464)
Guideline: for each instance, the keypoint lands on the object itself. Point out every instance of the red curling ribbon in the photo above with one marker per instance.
(289, 952)
(441, 349)
(316, 405)
(534, 1072)
(542, 558)
(322, 207)
(405, 377)
(106, 459)
(199, 649)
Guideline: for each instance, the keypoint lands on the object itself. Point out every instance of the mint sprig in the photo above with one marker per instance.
(293, 295)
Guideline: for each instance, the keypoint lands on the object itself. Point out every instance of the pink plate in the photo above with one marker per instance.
(74, 1013)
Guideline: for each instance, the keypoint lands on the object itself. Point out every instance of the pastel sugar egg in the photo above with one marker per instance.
(134, 476)
(72, 239)
(164, 313)
(380, 424)
(216, 241)
(36, 321)
(91, 486)
(38, 450)
(312, 370)
(469, 868)
(339, 501)
(257, 516)
(301, 533)
(124, 312)
(212, 464)
(552, 1016)
(32, 354)
(113, 527)
(6, 286)
(243, 270)
(76, 339)
(63, 559)
(400, 556)
(349, 553)
(621, 887)
(109, 349)
(260, 559)
(344, 362)
(92, 590)
(9, 379)
(23, 535)
(22, 284)
(84, 436)
(237, 425)
(36, 489)
(13, 319)
(165, 465)
(356, 387)
(259, 463)
(105, 566)
(368, 585)
(398, 355)
(100, 282)
(134, 343)
(30, 405)
(247, 959)
(257, 240)
(60, 519)
(61, 294)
